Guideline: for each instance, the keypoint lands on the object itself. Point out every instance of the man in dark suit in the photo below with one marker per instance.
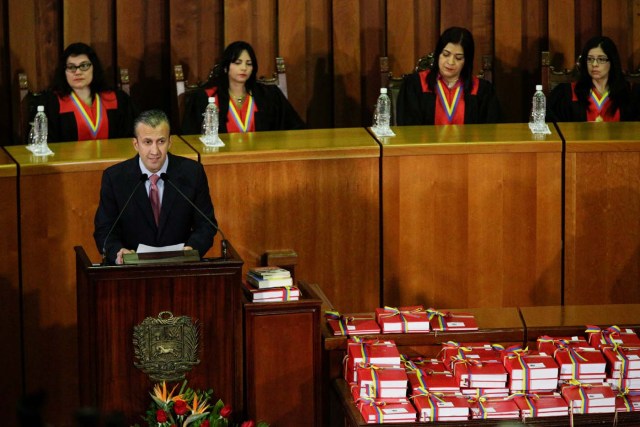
(177, 221)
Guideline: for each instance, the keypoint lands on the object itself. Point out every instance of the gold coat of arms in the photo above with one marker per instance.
(166, 347)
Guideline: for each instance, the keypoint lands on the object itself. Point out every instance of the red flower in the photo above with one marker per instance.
(226, 411)
(180, 407)
(161, 416)
(205, 423)
(249, 423)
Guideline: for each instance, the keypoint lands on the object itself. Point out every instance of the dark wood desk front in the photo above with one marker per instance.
(10, 326)
(59, 196)
(316, 191)
(471, 216)
(602, 213)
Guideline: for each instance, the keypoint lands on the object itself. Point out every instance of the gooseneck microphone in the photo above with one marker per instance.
(143, 178)
(224, 243)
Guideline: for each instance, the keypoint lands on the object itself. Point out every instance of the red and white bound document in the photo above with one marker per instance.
(369, 352)
(531, 372)
(403, 319)
(356, 324)
(580, 362)
(433, 381)
(271, 294)
(449, 321)
(379, 412)
(441, 407)
(540, 405)
(612, 336)
(548, 344)
(473, 351)
(382, 382)
(627, 403)
(589, 399)
(476, 374)
(622, 358)
(490, 408)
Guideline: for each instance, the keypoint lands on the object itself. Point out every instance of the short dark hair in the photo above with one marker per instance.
(463, 37)
(618, 87)
(231, 53)
(98, 83)
(152, 118)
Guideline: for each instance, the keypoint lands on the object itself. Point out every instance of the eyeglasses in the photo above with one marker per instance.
(597, 60)
(71, 68)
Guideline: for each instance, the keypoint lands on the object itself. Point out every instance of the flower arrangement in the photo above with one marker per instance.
(189, 408)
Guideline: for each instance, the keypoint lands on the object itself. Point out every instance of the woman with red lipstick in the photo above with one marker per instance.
(448, 93)
(601, 94)
(244, 104)
(80, 105)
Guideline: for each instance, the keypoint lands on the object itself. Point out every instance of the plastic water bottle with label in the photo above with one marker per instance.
(539, 112)
(210, 125)
(39, 134)
(382, 115)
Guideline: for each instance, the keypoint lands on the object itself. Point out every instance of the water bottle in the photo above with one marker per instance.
(538, 110)
(210, 122)
(382, 115)
(40, 131)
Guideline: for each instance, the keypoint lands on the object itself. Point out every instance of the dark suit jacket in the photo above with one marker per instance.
(179, 221)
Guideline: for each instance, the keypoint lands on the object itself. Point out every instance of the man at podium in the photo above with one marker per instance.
(143, 200)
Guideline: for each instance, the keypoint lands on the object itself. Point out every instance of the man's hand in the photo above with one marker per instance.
(122, 252)
(187, 248)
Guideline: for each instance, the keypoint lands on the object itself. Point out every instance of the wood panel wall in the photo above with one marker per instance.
(331, 47)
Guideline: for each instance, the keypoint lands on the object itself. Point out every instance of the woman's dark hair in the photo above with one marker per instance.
(99, 82)
(231, 53)
(463, 37)
(618, 86)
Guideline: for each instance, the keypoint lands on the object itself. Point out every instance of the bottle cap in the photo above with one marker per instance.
(383, 90)
(211, 99)
(40, 108)
(538, 87)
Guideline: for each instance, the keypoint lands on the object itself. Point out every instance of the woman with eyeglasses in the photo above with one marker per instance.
(601, 93)
(244, 104)
(81, 105)
(449, 93)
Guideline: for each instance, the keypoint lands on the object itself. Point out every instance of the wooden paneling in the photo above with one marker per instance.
(196, 38)
(142, 45)
(314, 191)
(461, 215)
(602, 258)
(616, 21)
(10, 297)
(319, 65)
(562, 31)
(347, 61)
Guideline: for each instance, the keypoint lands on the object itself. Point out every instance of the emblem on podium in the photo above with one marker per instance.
(166, 347)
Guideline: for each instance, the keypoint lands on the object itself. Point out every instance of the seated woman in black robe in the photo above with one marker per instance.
(244, 104)
(601, 93)
(448, 93)
(80, 105)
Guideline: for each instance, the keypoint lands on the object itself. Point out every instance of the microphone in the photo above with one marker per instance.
(143, 178)
(224, 243)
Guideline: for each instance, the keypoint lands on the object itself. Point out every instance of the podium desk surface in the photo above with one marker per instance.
(84, 156)
(7, 166)
(495, 324)
(570, 320)
(307, 144)
(501, 138)
(597, 137)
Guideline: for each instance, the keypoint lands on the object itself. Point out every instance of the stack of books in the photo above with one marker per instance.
(270, 284)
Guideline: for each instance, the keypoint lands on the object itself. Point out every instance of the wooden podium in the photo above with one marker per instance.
(114, 299)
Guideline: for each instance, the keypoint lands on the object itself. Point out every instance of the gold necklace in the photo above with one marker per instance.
(239, 99)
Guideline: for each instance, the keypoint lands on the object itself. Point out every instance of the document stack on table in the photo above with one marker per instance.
(270, 284)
